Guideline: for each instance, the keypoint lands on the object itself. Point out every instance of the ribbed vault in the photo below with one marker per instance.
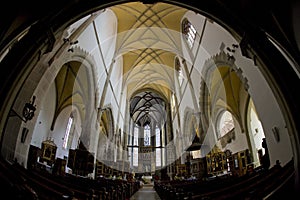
(148, 40)
(72, 83)
(147, 107)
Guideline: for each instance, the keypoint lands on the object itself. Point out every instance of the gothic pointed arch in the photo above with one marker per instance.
(223, 87)
(75, 84)
(191, 129)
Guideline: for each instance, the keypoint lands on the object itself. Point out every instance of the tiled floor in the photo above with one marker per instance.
(146, 193)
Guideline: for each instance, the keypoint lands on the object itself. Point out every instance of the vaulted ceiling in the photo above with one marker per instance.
(147, 107)
(148, 39)
(71, 88)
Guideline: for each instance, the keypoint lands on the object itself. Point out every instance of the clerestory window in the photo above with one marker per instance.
(189, 32)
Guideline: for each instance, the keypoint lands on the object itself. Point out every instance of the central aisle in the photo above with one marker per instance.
(146, 193)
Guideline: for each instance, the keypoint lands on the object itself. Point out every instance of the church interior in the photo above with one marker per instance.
(102, 98)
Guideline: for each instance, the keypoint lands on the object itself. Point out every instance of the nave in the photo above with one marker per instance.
(147, 192)
(98, 99)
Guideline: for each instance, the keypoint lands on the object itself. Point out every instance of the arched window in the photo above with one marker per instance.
(147, 135)
(173, 103)
(157, 144)
(179, 71)
(135, 151)
(136, 135)
(225, 123)
(189, 32)
(68, 131)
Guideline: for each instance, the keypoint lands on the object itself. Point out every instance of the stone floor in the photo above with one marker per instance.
(146, 193)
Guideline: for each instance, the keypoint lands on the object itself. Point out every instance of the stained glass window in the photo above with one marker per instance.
(147, 135)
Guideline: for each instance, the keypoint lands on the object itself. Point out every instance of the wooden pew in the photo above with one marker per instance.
(63, 187)
(14, 186)
(256, 185)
